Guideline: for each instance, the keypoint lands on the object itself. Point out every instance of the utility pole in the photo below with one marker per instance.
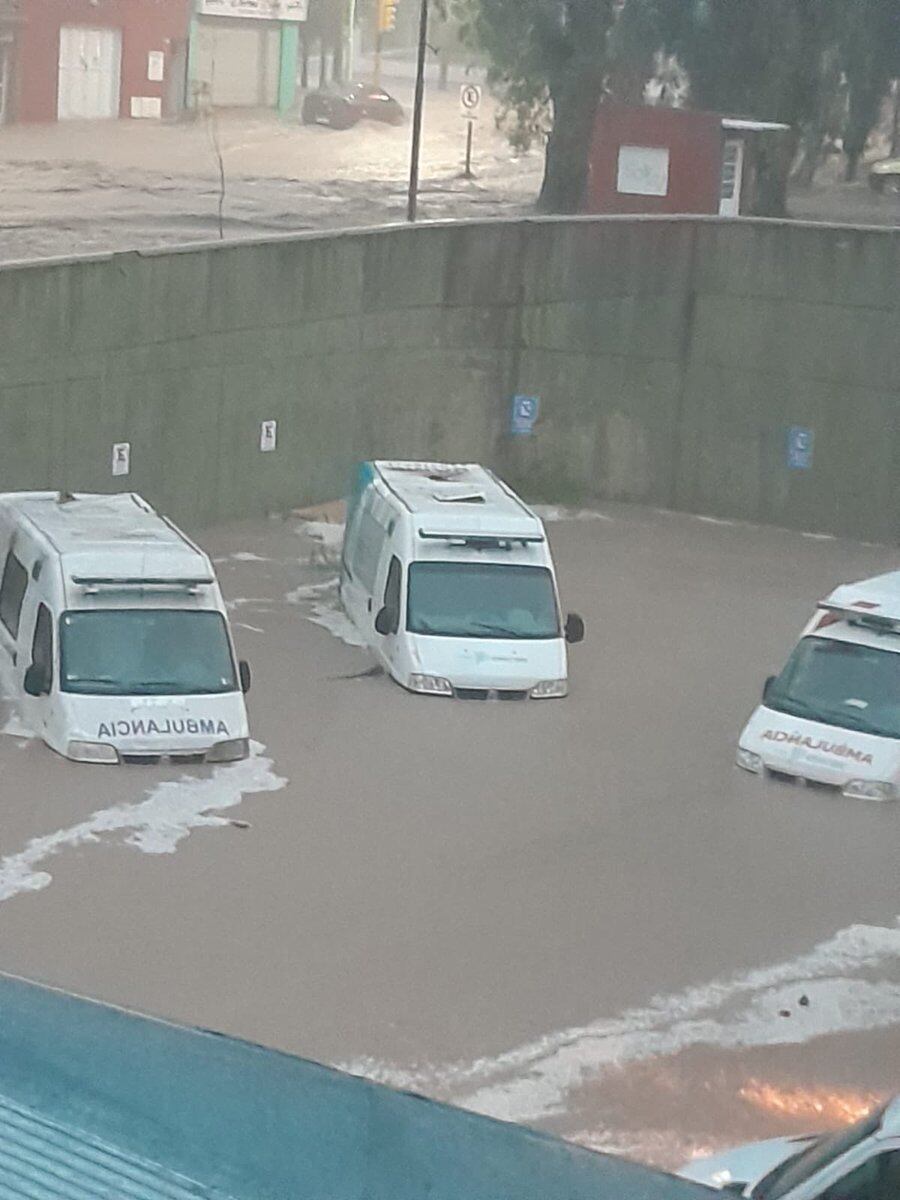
(413, 202)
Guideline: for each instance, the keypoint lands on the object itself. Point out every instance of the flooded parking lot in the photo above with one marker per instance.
(560, 912)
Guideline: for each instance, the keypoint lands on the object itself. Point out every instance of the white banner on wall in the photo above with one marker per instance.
(265, 10)
(643, 171)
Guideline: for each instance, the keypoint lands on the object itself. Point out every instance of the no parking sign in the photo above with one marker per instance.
(523, 415)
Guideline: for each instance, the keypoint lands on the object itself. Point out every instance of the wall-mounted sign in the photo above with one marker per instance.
(800, 442)
(265, 10)
(156, 66)
(643, 171)
(523, 414)
(268, 436)
(121, 458)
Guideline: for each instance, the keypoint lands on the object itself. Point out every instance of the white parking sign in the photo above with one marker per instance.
(470, 100)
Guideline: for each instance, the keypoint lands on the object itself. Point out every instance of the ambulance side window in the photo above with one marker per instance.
(42, 646)
(392, 587)
(368, 549)
(12, 593)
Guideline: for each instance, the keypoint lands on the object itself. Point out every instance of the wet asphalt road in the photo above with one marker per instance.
(481, 900)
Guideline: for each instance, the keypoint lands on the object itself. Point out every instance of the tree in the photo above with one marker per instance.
(548, 61)
(555, 61)
(870, 56)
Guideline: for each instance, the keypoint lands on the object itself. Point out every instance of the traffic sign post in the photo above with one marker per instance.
(469, 104)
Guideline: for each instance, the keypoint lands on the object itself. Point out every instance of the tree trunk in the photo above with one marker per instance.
(304, 64)
(444, 69)
(323, 64)
(575, 106)
(895, 126)
(774, 159)
(575, 95)
(851, 170)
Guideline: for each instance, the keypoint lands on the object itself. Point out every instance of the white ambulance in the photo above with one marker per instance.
(448, 576)
(113, 636)
(832, 717)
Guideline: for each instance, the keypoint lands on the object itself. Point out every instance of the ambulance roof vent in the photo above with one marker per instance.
(460, 496)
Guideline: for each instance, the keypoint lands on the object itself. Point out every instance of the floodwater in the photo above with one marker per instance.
(570, 913)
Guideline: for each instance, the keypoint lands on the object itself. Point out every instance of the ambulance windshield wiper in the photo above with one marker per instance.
(497, 630)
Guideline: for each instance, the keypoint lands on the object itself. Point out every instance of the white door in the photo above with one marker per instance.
(732, 178)
(90, 64)
(237, 62)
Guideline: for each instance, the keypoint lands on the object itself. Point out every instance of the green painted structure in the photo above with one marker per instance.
(671, 356)
(288, 58)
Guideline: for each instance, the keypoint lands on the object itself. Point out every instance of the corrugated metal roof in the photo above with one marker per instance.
(40, 1160)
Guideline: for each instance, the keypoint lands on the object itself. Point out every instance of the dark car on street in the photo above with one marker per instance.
(342, 108)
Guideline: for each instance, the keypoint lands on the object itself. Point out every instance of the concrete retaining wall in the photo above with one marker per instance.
(259, 1125)
(671, 357)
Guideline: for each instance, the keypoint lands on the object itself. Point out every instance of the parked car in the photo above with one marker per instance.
(861, 1162)
(342, 108)
(884, 175)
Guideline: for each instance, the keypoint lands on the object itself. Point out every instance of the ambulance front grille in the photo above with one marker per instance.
(152, 760)
(489, 694)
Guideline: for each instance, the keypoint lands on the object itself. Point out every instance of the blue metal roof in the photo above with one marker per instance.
(97, 1103)
(42, 1160)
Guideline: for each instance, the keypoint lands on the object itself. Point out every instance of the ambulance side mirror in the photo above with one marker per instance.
(767, 687)
(244, 673)
(37, 681)
(387, 621)
(574, 629)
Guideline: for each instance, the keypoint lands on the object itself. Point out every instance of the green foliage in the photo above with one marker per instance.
(777, 60)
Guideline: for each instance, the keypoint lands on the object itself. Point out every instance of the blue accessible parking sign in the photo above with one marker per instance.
(800, 448)
(523, 415)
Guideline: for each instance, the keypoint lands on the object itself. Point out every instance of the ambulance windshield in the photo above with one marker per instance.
(839, 683)
(482, 600)
(145, 652)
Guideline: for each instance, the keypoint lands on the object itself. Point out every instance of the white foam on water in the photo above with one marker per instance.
(552, 512)
(15, 727)
(713, 520)
(246, 601)
(154, 825)
(821, 537)
(14, 724)
(333, 618)
(327, 538)
(249, 556)
(534, 1081)
(251, 628)
(311, 591)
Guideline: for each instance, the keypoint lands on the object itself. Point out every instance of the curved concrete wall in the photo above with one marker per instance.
(671, 357)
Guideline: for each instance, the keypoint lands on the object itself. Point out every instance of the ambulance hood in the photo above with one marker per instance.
(824, 753)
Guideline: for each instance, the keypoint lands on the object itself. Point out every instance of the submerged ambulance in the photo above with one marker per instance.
(113, 635)
(447, 574)
(832, 717)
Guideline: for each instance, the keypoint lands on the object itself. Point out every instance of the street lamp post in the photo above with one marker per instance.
(413, 203)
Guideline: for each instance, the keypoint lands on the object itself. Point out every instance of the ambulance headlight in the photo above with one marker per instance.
(430, 685)
(231, 751)
(550, 688)
(749, 761)
(92, 752)
(869, 789)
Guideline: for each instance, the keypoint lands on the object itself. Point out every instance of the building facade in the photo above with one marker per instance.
(87, 59)
(244, 53)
